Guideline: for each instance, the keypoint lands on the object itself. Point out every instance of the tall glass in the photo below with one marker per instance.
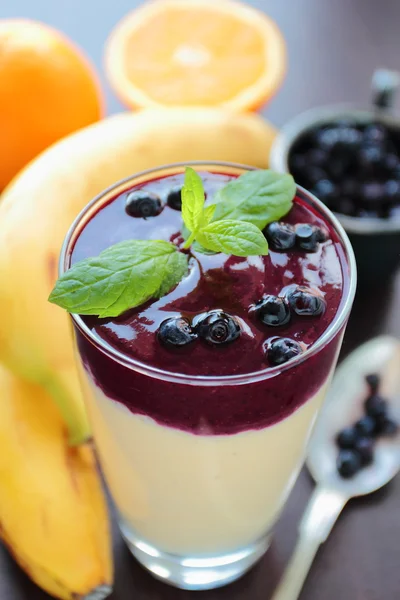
(197, 508)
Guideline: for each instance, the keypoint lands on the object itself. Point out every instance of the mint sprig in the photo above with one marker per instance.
(121, 277)
(131, 272)
(232, 236)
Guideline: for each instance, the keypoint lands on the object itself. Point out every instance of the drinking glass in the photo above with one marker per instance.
(197, 508)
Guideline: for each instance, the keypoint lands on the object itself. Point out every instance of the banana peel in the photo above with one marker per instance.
(40, 204)
(53, 514)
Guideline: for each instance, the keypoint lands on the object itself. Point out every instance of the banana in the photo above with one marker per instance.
(53, 516)
(40, 204)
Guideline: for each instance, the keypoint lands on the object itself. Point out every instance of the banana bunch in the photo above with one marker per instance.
(53, 516)
(52, 511)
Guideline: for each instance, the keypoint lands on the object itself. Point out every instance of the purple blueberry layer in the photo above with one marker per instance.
(209, 410)
(232, 284)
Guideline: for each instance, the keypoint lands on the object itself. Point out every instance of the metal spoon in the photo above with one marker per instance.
(343, 406)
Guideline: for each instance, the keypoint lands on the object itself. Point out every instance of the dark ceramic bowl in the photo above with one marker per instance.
(376, 241)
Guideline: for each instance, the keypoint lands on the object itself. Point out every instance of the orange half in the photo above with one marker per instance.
(196, 53)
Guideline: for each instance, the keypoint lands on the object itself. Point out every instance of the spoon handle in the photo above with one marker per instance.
(316, 524)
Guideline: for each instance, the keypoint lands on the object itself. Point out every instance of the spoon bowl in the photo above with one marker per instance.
(344, 405)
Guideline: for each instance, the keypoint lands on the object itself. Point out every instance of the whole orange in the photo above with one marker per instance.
(48, 89)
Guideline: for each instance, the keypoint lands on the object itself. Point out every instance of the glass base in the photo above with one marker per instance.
(190, 572)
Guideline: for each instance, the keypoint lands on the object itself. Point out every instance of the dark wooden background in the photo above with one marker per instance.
(334, 46)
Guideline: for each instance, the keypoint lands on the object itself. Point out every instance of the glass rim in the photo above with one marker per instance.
(212, 380)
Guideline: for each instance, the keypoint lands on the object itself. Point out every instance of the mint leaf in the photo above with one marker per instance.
(121, 277)
(176, 267)
(233, 237)
(258, 197)
(192, 199)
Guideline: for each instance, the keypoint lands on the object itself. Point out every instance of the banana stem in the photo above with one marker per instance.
(73, 413)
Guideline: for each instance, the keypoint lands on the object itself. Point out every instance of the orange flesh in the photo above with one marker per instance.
(173, 71)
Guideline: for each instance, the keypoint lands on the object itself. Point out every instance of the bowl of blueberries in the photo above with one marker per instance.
(349, 158)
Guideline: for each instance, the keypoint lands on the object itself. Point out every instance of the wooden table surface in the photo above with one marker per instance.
(333, 48)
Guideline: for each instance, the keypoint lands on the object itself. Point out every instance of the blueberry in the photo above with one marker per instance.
(373, 380)
(347, 438)
(392, 190)
(174, 198)
(216, 327)
(349, 187)
(325, 190)
(350, 136)
(391, 162)
(386, 426)
(307, 237)
(348, 463)
(280, 236)
(176, 331)
(273, 311)
(365, 448)
(143, 204)
(369, 157)
(280, 350)
(372, 192)
(305, 302)
(365, 426)
(321, 234)
(327, 137)
(314, 174)
(375, 133)
(375, 407)
(317, 157)
(339, 163)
